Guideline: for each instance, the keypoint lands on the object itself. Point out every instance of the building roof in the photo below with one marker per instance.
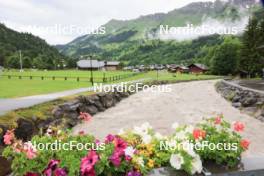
(90, 64)
(201, 66)
(112, 63)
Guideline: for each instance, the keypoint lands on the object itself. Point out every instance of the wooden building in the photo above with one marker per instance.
(198, 68)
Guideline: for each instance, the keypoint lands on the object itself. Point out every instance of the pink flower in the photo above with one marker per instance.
(52, 166)
(88, 162)
(120, 144)
(30, 150)
(109, 138)
(239, 127)
(85, 116)
(244, 143)
(115, 159)
(9, 137)
(60, 172)
(218, 120)
(199, 134)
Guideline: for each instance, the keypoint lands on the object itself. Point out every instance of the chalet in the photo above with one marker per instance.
(178, 69)
(112, 65)
(90, 64)
(198, 68)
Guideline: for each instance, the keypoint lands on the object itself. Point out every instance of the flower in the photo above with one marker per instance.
(143, 129)
(244, 143)
(188, 148)
(51, 167)
(146, 139)
(30, 150)
(115, 159)
(175, 125)
(199, 134)
(85, 116)
(88, 162)
(189, 129)
(181, 135)
(238, 126)
(109, 138)
(60, 172)
(120, 144)
(9, 137)
(150, 163)
(140, 161)
(197, 166)
(176, 161)
(133, 173)
(129, 151)
(158, 136)
(218, 120)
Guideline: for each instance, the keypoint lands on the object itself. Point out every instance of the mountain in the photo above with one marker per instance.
(123, 37)
(35, 52)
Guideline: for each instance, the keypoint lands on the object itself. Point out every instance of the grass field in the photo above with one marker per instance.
(16, 87)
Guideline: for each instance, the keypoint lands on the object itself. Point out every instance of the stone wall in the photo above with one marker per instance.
(248, 100)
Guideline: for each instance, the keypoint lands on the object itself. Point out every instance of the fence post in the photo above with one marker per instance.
(78, 79)
(53, 77)
(30, 77)
(20, 77)
(65, 79)
(9, 77)
(104, 78)
(42, 77)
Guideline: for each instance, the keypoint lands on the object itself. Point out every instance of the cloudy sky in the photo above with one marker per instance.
(60, 21)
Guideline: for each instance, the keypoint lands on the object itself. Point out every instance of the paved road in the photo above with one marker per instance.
(7, 105)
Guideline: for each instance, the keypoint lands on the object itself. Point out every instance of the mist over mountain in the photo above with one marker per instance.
(124, 35)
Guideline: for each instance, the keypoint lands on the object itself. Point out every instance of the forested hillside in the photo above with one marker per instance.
(36, 53)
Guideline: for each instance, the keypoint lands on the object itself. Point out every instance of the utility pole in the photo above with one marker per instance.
(21, 64)
(91, 65)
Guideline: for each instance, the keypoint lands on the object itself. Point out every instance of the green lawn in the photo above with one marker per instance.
(16, 87)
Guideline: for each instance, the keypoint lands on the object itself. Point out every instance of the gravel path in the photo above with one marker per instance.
(10, 104)
(187, 103)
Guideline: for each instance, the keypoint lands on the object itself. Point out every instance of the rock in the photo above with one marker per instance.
(57, 112)
(108, 100)
(2, 133)
(70, 106)
(236, 98)
(261, 118)
(248, 101)
(25, 129)
(99, 105)
(91, 109)
(250, 110)
(237, 105)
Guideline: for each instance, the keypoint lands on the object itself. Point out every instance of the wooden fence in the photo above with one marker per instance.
(103, 79)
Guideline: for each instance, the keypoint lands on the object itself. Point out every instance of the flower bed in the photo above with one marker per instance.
(132, 152)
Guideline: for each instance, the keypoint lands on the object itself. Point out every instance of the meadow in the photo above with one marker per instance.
(16, 87)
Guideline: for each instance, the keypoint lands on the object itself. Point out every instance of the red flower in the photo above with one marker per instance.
(81, 133)
(238, 126)
(60, 172)
(218, 120)
(244, 144)
(30, 150)
(9, 137)
(109, 138)
(199, 134)
(85, 116)
(87, 164)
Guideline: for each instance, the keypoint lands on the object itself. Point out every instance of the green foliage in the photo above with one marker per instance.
(225, 57)
(35, 51)
(252, 60)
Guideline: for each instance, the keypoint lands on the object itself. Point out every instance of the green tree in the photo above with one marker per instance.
(225, 59)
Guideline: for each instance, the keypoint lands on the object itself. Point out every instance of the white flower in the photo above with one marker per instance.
(197, 166)
(172, 144)
(159, 136)
(140, 161)
(129, 151)
(146, 139)
(175, 125)
(143, 129)
(176, 161)
(189, 129)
